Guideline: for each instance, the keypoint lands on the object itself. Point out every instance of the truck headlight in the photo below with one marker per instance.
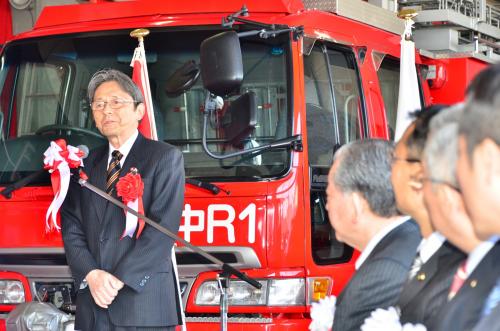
(274, 292)
(239, 294)
(11, 292)
(287, 292)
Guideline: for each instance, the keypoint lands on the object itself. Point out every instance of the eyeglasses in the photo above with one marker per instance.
(409, 159)
(100, 105)
(442, 182)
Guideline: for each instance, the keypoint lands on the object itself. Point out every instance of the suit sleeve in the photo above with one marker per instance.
(143, 261)
(377, 286)
(78, 255)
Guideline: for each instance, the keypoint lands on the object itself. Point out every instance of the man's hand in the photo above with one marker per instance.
(103, 286)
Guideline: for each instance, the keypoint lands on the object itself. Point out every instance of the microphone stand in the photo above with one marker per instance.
(227, 270)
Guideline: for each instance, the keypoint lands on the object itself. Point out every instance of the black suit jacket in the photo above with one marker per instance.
(378, 282)
(91, 229)
(464, 310)
(423, 295)
(490, 322)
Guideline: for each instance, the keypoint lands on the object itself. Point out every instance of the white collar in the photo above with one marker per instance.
(430, 245)
(376, 239)
(477, 255)
(124, 148)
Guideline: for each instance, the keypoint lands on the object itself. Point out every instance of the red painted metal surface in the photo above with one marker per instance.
(5, 21)
(457, 75)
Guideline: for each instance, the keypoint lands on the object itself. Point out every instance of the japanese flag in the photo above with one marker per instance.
(147, 128)
(409, 95)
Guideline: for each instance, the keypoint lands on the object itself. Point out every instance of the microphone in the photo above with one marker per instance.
(79, 173)
(84, 149)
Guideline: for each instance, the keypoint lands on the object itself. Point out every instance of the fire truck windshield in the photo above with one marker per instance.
(43, 96)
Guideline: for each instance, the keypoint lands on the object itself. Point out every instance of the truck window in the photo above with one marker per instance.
(334, 108)
(388, 78)
(41, 85)
(320, 109)
(43, 96)
(334, 112)
(347, 94)
(326, 249)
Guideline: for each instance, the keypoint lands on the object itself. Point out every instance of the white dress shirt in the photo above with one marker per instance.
(430, 245)
(376, 239)
(477, 255)
(124, 148)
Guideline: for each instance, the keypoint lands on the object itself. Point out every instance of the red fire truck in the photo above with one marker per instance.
(317, 76)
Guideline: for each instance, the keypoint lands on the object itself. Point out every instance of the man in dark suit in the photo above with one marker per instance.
(479, 177)
(123, 284)
(424, 294)
(362, 210)
(490, 322)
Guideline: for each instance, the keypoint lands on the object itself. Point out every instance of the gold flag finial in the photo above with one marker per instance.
(139, 34)
(407, 14)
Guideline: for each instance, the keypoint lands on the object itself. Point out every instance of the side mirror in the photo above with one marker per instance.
(182, 79)
(222, 63)
(240, 119)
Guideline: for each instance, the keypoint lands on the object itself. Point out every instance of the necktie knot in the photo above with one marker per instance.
(116, 155)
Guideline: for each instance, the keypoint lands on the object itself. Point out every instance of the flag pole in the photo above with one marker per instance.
(149, 130)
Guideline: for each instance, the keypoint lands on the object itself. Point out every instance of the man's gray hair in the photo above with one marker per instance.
(108, 75)
(365, 167)
(441, 149)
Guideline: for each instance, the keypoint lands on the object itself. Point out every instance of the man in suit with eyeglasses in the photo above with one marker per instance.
(127, 283)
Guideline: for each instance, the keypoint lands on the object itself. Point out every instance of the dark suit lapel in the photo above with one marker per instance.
(484, 276)
(476, 288)
(417, 283)
(98, 178)
(381, 246)
(133, 159)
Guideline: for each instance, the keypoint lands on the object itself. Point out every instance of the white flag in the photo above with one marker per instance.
(409, 95)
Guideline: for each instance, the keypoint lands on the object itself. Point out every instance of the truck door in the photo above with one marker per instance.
(335, 115)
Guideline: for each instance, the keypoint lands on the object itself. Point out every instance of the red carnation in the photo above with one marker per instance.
(130, 187)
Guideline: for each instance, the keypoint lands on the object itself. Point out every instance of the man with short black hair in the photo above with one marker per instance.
(362, 210)
(424, 294)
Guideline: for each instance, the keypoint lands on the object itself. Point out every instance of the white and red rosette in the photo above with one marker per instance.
(130, 188)
(59, 158)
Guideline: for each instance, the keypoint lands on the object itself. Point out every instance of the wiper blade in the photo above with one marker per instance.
(7, 191)
(207, 186)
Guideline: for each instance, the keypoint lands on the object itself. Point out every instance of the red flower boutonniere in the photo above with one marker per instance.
(130, 188)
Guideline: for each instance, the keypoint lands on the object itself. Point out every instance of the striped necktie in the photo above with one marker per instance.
(113, 171)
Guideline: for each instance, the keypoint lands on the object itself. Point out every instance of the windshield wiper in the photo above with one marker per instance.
(7, 191)
(207, 186)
